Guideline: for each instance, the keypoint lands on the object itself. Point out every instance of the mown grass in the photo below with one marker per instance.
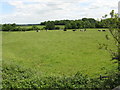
(58, 53)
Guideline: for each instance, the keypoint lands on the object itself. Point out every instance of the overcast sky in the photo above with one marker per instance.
(36, 11)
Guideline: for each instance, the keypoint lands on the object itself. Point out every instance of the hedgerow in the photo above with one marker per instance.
(15, 76)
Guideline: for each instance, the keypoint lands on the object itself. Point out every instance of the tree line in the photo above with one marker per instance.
(78, 24)
(68, 24)
(14, 27)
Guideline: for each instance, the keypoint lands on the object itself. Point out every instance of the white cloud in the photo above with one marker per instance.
(35, 11)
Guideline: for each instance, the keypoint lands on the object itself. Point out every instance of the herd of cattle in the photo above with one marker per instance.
(101, 30)
(82, 30)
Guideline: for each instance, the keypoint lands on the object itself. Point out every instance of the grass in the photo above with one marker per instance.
(57, 53)
(42, 26)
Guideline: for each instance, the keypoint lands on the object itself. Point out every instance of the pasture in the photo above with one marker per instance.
(42, 26)
(57, 53)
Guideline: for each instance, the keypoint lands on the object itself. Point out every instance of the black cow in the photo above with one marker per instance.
(99, 30)
(103, 30)
(74, 30)
(64, 30)
(37, 30)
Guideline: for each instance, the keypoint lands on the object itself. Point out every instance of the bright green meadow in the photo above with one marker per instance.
(56, 53)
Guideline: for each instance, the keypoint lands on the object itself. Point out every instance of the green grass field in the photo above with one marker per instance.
(56, 53)
(42, 26)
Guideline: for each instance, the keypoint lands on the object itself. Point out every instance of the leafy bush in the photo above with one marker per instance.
(17, 77)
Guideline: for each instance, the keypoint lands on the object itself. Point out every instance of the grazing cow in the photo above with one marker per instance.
(99, 30)
(103, 30)
(74, 30)
(64, 29)
(83, 30)
(37, 30)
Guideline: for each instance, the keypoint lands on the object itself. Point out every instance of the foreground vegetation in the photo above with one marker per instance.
(15, 76)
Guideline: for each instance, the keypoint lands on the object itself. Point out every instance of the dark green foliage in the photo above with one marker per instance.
(14, 27)
(78, 24)
(57, 28)
(35, 27)
(82, 23)
(50, 25)
(113, 81)
(17, 77)
(8, 27)
(69, 24)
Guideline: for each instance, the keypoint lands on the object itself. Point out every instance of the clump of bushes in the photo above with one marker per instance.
(17, 77)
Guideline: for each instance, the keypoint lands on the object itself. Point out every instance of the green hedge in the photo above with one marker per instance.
(18, 77)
